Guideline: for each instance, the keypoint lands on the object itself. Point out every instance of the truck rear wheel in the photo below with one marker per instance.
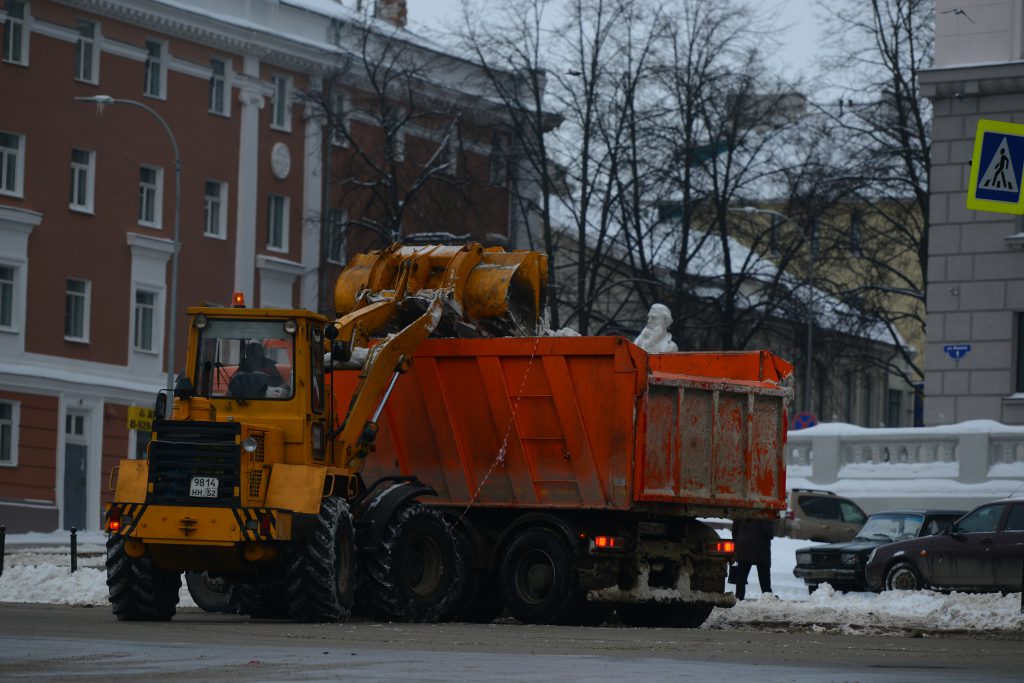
(685, 615)
(321, 570)
(209, 593)
(259, 600)
(139, 591)
(415, 572)
(538, 578)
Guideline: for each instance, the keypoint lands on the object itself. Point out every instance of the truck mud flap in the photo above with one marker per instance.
(374, 512)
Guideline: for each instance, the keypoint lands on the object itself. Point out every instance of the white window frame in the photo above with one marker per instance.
(219, 104)
(156, 190)
(342, 121)
(280, 104)
(75, 202)
(221, 212)
(272, 224)
(8, 297)
(86, 296)
(160, 65)
(24, 27)
(12, 426)
(337, 220)
(19, 166)
(87, 51)
(138, 319)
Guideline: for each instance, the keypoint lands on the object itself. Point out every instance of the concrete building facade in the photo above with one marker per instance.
(976, 259)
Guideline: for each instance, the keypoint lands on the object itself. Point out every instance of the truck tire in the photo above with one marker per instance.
(259, 600)
(138, 590)
(679, 615)
(415, 572)
(479, 602)
(209, 593)
(321, 569)
(538, 578)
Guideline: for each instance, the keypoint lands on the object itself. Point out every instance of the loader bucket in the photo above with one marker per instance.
(490, 290)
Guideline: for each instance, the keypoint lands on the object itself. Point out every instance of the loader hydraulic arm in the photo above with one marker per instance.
(461, 290)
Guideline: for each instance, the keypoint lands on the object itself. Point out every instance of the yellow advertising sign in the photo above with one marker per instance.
(140, 419)
(996, 168)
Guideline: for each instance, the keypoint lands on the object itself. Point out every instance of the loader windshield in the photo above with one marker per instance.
(245, 360)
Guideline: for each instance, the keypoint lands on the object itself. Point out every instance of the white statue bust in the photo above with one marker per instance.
(655, 337)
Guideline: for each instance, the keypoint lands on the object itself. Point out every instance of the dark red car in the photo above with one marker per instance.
(983, 551)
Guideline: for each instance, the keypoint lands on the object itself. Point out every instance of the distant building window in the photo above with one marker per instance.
(218, 87)
(280, 110)
(15, 37)
(76, 310)
(498, 163)
(145, 307)
(156, 69)
(865, 409)
(336, 227)
(83, 181)
(11, 163)
(277, 223)
(151, 182)
(6, 297)
(339, 121)
(8, 433)
(215, 209)
(895, 408)
(86, 66)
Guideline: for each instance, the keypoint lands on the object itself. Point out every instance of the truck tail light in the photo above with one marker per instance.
(114, 519)
(721, 547)
(607, 544)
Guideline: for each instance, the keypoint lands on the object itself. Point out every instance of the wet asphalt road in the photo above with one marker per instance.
(52, 642)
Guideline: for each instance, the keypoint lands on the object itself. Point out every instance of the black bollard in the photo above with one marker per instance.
(3, 542)
(74, 549)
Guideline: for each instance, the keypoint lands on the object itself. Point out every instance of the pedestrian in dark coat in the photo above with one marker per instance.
(753, 539)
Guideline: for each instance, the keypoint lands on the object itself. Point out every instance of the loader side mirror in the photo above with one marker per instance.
(341, 352)
(331, 332)
(160, 408)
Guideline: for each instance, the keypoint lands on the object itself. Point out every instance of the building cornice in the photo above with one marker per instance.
(280, 266)
(20, 220)
(153, 247)
(991, 78)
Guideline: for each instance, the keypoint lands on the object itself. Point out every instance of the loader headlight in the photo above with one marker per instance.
(200, 321)
(290, 326)
(250, 445)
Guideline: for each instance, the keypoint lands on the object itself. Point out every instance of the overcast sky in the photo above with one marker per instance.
(800, 39)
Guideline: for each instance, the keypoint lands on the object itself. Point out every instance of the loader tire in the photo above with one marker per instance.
(209, 593)
(685, 615)
(415, 572)
(321, 569)
(538, 579)
(139, 591)
(259, 600)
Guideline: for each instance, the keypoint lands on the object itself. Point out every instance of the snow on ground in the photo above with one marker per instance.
(37, 569)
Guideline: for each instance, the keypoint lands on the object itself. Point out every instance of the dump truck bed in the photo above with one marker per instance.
(586, 422)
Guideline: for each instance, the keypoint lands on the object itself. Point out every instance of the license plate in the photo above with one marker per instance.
(203, 487)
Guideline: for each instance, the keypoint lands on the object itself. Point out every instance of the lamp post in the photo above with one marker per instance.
(808, 384)
(100, 101)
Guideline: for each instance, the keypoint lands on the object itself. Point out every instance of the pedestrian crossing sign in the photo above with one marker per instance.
(996, 168)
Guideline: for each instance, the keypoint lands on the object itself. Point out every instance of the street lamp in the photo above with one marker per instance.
(750, 210)
(100, 101)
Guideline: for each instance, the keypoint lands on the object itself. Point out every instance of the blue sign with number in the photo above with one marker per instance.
(956, 351)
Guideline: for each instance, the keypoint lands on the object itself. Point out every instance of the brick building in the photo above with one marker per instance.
(87, 202)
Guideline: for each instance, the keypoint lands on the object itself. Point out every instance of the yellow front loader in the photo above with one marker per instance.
(254, 487)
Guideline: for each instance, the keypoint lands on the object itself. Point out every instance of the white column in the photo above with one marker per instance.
(312, 207)
(252, 101)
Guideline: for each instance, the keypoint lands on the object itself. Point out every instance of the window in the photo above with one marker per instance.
(339, 121)
(8, 433)
(1015, 520)
(894, 408)
(86, 66)
(499, 163)
(83, 164)
(1020, 353)
(151, 182)
(851, 513)
(76, 310)
(279, 110)
(6, 297)
(822, 508)
(981, 521)
(145, 307)
(394, 125)
(336, 236)
(153, 82)
(218, 87)
(11, 163)
(215, 211)
(865, 401)
(15, 36)
(277, 223)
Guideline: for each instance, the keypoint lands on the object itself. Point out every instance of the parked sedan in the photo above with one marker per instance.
(842, 564)
(982, 551)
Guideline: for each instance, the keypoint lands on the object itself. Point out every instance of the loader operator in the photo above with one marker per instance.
(255, 373)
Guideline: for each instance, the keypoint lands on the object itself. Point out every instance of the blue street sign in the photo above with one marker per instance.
(956, 351)
(997, 168)
(803, 420)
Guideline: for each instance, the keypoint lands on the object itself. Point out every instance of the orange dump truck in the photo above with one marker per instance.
(574, 469)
